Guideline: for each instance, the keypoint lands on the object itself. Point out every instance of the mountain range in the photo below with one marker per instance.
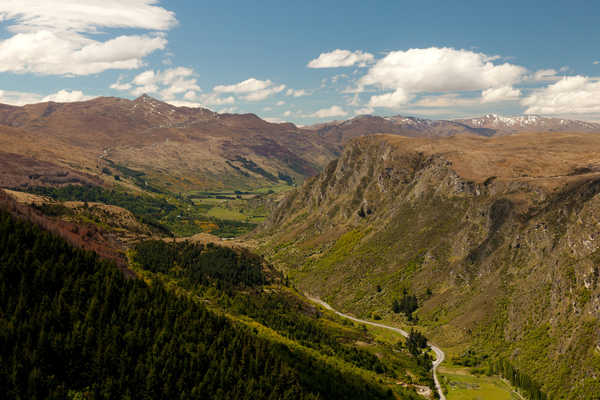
(152, 144)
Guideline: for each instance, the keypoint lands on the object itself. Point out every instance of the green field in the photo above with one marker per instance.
(224, 214)
(461, 385)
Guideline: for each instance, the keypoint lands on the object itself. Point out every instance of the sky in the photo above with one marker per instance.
(309, 61)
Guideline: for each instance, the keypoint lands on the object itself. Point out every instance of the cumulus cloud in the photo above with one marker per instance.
(504, 93)
(341, 58)
(414, 71)
(393, 99)
(21, 98)
(49, 53)
(570, 95)
(333, 111)
(251, 89)
(119, 85)
(596, 62)
(56, 38)
(168, 84)
(65, 96)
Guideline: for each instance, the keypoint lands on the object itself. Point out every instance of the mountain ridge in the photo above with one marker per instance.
(179, 149)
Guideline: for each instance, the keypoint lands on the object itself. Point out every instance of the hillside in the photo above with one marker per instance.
(203, 322)
(495, 239)
(172, 148)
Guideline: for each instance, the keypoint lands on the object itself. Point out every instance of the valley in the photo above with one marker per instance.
(301, 200)
(452, 229)
(477, 229)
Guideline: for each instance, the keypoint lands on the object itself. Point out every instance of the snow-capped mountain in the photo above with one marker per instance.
(528, 123)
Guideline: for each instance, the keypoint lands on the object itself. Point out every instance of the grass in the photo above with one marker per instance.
(226, 213)
(462, 385)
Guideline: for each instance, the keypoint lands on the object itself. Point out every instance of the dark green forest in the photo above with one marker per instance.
(197, 267)
(72, 326)
(201, 264)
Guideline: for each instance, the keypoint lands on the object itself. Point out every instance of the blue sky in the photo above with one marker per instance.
(309, 61)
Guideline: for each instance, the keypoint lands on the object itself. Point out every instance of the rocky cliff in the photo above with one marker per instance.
(499, 239)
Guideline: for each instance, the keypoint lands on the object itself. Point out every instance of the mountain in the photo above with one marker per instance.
(153, 145)
(500, 125)
(494, 242)
(176, 148)
(339, 132)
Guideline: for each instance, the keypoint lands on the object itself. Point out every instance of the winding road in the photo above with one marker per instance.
(439, 354)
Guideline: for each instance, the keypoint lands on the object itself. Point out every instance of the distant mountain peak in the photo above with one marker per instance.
(528, 122)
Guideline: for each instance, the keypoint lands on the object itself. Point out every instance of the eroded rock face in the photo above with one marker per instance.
(505, 231)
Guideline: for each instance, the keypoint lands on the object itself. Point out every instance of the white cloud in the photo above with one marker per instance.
(228, 110)
(19, 98)
(338, 77)
(274, 120)
(435, 69)
(395, 99)
(251, 89)
(333, 111)
(571, 95)
(145, 78)
(263, 94)
(22, 98)
(118, 85)
(296, 92)
(86, 15)
(287, 113)
(504, 93)
(214, 99)
(65, 96)
(445, 101)
(280, 103)
(190, 95)
(596, 62)
(341, 58)
(49, 53)
(364, 111)
(202, 100)
(184, 103)
(168, 84)
(55, 37)
(247, 86)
